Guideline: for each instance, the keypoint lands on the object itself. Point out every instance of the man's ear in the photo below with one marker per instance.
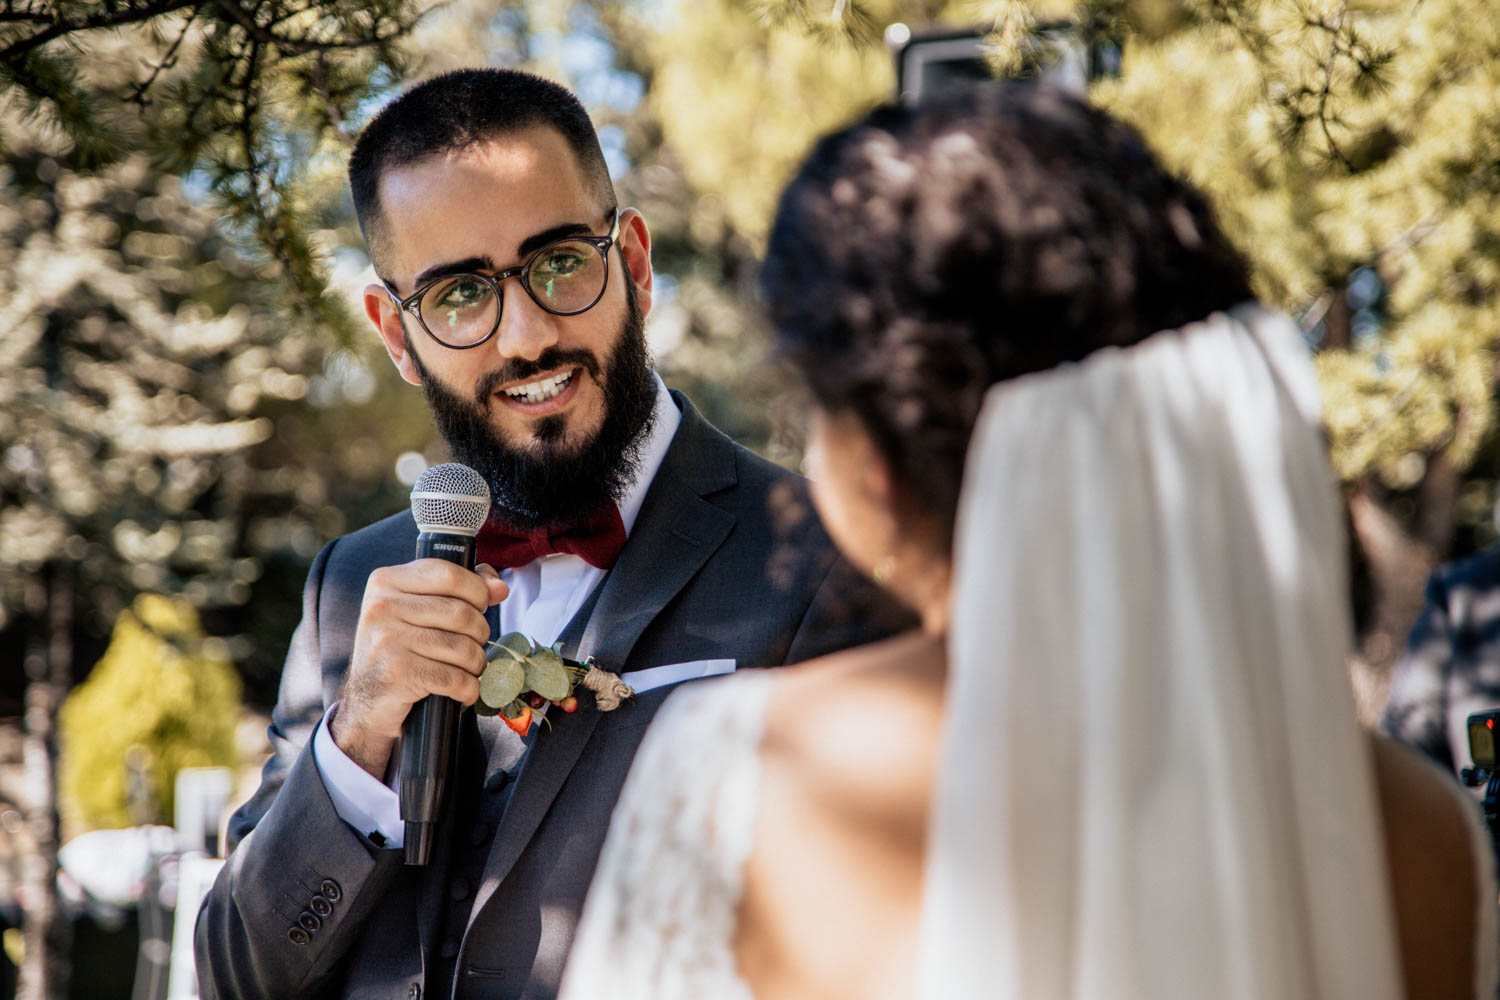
(387, 319)
(635, 249)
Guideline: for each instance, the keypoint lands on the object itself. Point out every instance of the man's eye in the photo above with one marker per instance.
(462, 293)
(560, 263)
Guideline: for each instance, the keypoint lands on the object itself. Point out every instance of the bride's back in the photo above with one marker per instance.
(833, 884)
(834, 880)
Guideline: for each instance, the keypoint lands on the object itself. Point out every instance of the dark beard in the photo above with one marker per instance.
(553, 483)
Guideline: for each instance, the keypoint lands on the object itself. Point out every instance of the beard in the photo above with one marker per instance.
(554, 482)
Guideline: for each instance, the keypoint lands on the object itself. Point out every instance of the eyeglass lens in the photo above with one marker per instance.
(566, 277)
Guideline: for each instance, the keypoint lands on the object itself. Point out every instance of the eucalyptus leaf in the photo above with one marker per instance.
(546, 675)
(514, 709)
(502, 682)
(518, 644)
(480, 708)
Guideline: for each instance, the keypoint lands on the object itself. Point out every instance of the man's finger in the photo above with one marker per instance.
(437, 576)
(499, 589)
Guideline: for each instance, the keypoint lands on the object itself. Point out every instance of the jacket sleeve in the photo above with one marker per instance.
(291, 898)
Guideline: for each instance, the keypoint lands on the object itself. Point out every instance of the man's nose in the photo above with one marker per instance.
(526, 329)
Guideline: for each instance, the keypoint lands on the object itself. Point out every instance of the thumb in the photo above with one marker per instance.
(499, 591)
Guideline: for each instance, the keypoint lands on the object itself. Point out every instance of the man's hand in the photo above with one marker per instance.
(421, 631)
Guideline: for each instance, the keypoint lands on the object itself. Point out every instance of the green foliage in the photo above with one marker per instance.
(161, 687)
(253, 93)
(163, 425)
(1334, 136)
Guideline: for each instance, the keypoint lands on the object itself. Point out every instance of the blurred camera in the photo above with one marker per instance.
(931, 61)
(1481, 727)
(1482, 739)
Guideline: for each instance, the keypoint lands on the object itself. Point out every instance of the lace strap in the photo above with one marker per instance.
(660, 916)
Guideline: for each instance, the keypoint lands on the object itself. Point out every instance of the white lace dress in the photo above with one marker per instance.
(660, 917)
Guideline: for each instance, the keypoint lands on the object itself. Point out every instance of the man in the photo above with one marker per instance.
(1451, 665)
(513, 292)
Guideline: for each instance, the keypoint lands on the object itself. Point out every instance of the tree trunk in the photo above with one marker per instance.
(49, 654)
(1400, 564)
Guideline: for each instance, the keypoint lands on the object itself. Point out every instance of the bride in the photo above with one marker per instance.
(1119, 759)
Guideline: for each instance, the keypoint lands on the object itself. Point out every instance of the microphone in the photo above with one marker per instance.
(450, 504)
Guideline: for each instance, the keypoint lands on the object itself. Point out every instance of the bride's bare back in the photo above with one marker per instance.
(833, 884)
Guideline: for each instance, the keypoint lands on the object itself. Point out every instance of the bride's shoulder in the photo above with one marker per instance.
(859, 715)
(1440, 873)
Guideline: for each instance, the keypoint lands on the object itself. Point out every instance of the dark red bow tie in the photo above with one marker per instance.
(597, 541)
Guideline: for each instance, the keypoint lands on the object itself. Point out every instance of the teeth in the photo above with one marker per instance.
(540, 392)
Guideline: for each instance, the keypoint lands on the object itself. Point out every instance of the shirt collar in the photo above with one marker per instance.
(665, 419)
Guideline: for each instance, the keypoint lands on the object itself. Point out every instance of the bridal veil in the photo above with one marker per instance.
(1152, 781)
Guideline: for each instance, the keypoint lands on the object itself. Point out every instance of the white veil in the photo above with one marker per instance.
(1152, 784)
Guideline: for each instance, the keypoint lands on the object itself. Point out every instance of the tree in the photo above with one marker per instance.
(254, 94)
(164, 691)
(1350, 150)
(153, 345)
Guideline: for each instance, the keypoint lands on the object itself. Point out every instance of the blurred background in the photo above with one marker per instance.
(191, 403)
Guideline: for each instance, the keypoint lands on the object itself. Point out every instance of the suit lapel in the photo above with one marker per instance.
(674, 535)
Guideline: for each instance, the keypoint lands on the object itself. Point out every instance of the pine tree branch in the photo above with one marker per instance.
(167, 61)
(1326, 91)
(265, 34)
(12, 52)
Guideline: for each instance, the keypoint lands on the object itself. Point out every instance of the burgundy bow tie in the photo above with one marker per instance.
(597, 541)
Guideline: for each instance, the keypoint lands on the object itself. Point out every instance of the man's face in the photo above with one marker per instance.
(538, 391)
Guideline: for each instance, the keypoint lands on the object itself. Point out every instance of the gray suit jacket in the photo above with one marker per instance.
(725, 560)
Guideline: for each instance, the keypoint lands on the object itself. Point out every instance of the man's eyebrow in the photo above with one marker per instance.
(538, 240)
(528, 246)
(465, 266)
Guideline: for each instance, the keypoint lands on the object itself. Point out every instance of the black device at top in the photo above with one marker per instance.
(929, 61)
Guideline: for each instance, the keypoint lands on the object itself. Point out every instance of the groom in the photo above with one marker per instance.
(513, 291)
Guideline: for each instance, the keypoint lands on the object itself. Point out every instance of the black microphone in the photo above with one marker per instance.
(450, 503)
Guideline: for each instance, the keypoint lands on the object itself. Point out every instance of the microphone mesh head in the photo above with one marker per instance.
(450, 498)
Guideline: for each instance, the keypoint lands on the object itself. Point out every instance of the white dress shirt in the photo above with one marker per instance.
(545, 594)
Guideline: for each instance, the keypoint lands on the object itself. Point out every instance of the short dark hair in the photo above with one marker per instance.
(923, 254)
(459, 110)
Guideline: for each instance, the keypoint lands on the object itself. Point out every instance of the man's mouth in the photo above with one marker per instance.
(542, 389)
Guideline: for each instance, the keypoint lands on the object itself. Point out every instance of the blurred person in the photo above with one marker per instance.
(1120, 758)
(1450, 667)
(513, 290)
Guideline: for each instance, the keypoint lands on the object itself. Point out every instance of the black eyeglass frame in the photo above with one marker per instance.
(600, 243)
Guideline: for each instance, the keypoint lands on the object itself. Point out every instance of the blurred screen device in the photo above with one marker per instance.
(1482, 727)
(930, 61)
(1482, 738)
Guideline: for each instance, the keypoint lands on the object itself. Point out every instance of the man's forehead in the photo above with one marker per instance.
(532, 168)
(487, 198)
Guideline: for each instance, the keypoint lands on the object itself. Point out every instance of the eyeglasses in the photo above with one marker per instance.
(565, 277)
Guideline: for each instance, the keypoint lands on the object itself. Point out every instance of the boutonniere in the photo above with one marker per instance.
(521, 676)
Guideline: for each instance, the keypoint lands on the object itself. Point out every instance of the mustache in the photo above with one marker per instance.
(518, 369)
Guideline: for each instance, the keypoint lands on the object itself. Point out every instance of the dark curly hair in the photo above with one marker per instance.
(923, 254)
(457, 111)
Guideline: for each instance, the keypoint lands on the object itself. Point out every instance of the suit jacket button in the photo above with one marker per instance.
(299, 936)
(331, 889)
(308, 921)
(320, 906)
(414, 992)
